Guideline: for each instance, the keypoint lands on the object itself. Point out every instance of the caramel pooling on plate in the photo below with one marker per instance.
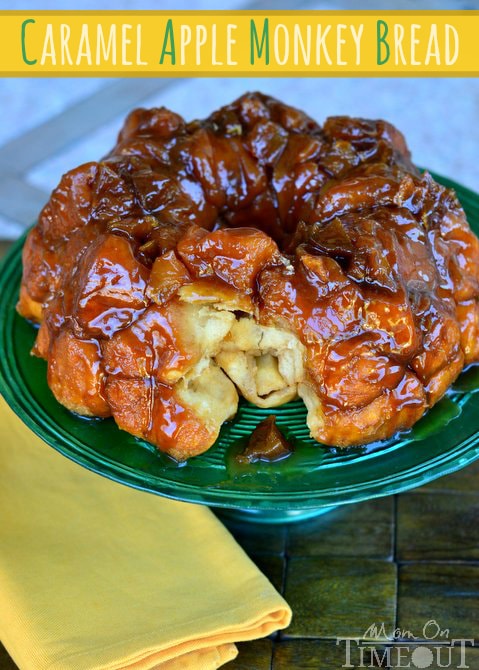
(253, 253)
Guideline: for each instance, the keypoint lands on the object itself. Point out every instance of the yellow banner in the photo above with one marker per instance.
(241, 43)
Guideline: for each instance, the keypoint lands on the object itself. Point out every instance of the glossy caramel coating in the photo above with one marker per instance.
(266, 443)
(260, 247)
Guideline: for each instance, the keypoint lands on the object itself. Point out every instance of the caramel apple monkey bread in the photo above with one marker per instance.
(254, 253)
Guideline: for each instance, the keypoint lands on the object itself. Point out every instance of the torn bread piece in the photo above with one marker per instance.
(265, 362)
(183, 420)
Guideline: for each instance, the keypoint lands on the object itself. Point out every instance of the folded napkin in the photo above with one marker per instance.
(95, 575)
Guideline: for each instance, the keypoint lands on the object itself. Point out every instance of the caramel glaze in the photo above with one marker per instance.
(266, 443)
(329, 231)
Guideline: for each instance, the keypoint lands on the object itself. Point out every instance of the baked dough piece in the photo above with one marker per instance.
(255, 253)
(265, 362)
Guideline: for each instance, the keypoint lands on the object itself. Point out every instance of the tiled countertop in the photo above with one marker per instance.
(402, 561)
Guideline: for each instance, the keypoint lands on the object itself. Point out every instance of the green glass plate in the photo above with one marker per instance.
(313, 479)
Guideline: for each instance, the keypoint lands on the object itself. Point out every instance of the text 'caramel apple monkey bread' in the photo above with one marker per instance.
(258, 254)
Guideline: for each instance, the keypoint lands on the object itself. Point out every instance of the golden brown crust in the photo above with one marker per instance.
(75, 374)
(299, 258)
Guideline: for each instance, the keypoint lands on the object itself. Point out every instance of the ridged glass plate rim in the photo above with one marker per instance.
(22, 402)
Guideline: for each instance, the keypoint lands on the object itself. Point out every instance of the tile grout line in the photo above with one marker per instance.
(394, 552)
(285, 556)
(463, 562)
(273, 654)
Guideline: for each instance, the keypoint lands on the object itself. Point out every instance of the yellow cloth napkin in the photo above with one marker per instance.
(95, 575)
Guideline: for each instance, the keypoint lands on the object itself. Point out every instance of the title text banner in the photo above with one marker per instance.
(242, 43)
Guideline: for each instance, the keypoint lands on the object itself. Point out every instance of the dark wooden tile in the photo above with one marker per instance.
(272, 567)
(340, 597)
(6, 662)
(448, 593)
(466, 479)
(418, 656)
(434, 526)
(323, 655)
(252, 655)
(256, 537)
(362, 530)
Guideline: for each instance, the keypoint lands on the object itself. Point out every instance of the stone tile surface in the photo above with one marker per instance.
(340, 597)
(434, 526)
(322, 655)
(257, 538)
(256, 655)
(430, 656)
(273, 567)
(445, 592)
(363, 530)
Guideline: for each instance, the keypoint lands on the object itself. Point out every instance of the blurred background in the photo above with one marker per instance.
(51, 125)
